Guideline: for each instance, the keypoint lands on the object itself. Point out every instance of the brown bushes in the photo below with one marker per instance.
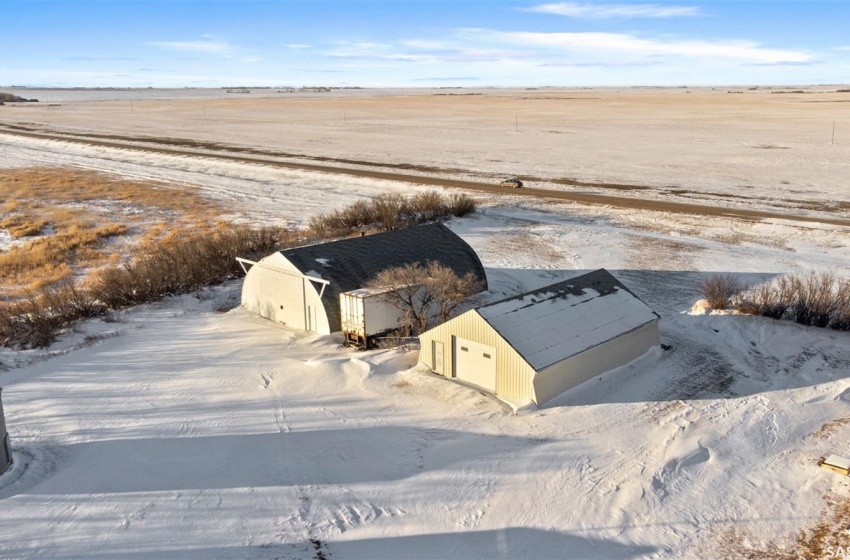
(168, 262)
(391, 211)
(185, 266)
(36, 320)
(718, 290)
(818, 300)
(168, 269)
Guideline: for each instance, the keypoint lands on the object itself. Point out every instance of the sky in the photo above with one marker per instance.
(419, 43)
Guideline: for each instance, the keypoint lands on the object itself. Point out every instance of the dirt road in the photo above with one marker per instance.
(196, 149)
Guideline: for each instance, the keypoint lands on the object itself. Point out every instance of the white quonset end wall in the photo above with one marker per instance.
(276, 290)
(5, 448)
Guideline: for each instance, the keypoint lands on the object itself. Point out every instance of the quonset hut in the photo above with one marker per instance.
(5, 448)
(301, 287)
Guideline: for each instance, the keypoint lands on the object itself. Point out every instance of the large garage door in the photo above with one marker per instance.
(475, 363)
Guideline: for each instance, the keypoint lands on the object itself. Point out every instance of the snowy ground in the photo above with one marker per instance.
(759, 147)
(178, 431)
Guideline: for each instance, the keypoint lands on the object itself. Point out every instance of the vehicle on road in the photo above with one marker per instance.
(512, 183)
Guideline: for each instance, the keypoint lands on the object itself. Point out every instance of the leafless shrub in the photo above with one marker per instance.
(719, 290)
(770, 299)
(408, 295)
(461, 205)
(814, 303)
(389, 212)
(171, 268)
(841, 319)
(36, 320)
(429, 206)
(185, 266)
(818, 300)
(426, 295)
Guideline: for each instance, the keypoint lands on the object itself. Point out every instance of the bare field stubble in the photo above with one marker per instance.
(695, 145)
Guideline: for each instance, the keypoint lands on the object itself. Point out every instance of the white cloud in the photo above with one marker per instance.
(360, 50)
(589, 43)
(426, 44)
(205, 46)
(606, 11)
(298, 46)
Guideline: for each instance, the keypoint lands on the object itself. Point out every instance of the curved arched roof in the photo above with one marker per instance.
(349, 264)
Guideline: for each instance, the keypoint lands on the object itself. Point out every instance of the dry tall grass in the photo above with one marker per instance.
(61, 185)
(174, 257)
(68, 221)
(827, 538)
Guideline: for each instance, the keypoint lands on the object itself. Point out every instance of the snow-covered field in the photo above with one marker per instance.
(178, 431)
(758, 147)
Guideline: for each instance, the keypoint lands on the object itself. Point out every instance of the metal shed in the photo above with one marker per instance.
(539, 344)
(301, 287)
(5, 448)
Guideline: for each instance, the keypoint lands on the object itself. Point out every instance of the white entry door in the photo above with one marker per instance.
(437, 354)
(475, 363)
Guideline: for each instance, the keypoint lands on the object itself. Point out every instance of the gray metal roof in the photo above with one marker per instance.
(349, 264)
(550, 324)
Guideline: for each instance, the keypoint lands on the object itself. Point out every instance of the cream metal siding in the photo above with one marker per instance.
(575, 370)
(475, 363)
(514, 377)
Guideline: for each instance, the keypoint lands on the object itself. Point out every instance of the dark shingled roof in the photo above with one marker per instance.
(351, 263)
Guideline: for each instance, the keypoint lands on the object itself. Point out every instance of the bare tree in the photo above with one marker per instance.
(426, 295)
(449, 290)
(408, 295)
